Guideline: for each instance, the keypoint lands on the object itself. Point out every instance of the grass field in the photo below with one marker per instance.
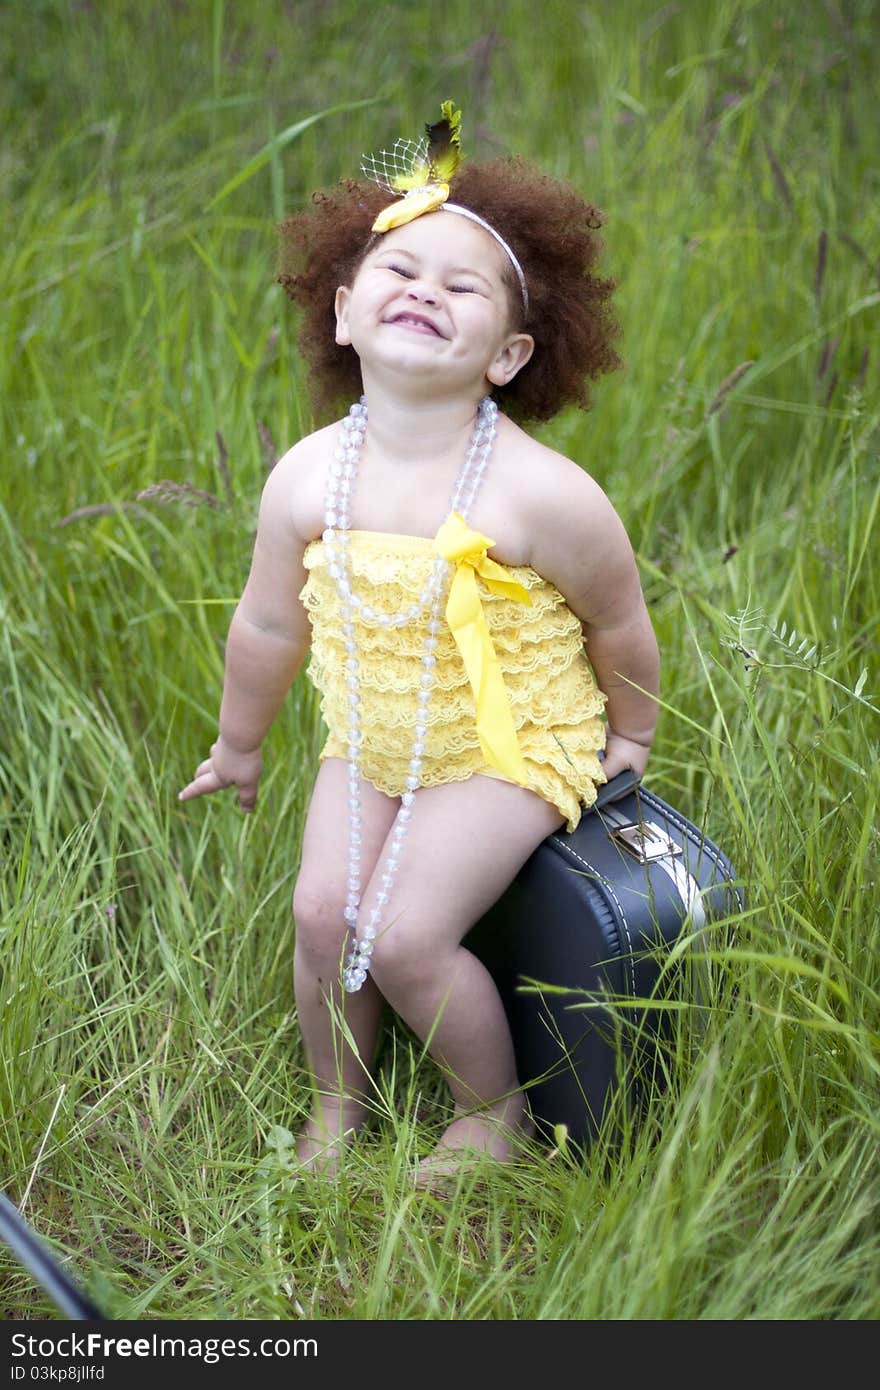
(151, 1070)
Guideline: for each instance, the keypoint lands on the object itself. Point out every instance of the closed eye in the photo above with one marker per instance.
(464, 289)
(401, 270)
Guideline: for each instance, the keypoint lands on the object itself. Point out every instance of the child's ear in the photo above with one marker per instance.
(340, 305)
(511, 359)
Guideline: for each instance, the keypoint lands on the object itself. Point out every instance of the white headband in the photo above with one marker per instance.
(487, 226)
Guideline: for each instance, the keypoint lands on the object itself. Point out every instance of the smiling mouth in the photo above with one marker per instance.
(416, 323)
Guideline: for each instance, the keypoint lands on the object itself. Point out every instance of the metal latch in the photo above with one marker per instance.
(645, 840)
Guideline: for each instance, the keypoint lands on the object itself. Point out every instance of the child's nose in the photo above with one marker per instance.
(422, 292)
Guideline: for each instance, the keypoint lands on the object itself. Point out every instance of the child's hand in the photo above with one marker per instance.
(621, 754)
(227, 768)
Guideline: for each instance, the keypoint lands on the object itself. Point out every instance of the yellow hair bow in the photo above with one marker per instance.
(420, 172)
(411, 206)
(466, 549)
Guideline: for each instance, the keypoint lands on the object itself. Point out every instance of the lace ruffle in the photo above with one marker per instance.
(552, 693)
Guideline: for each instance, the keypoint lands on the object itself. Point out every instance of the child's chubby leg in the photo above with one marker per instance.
(467, 840)
(341, 1077)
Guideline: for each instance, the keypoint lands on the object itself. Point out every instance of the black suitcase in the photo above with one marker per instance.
(592, 916)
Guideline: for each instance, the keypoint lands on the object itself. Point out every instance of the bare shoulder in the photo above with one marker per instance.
(576, 539)
(557, 495)
(294, 490)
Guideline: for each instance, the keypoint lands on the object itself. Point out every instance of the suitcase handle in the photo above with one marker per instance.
(619, 786)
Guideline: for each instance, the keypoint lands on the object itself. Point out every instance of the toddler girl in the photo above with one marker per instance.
(469, 596)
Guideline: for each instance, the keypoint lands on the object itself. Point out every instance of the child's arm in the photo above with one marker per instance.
(588, 556)
(623, 652)
(268, 640)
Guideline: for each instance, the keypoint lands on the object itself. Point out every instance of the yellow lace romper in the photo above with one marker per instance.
(549, 683)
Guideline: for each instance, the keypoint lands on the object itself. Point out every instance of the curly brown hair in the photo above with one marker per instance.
(554, 235)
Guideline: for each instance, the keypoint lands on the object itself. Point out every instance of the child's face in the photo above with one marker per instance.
(430, 298)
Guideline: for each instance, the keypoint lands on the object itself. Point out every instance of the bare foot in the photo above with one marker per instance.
(495, 1133)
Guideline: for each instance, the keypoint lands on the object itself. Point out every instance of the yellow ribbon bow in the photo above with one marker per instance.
(467, 549)
(411, 206)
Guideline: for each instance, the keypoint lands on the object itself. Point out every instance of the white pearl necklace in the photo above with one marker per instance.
(341, 480)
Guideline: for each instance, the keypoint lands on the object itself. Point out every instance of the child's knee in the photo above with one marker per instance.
(320, 927)
(404, 959)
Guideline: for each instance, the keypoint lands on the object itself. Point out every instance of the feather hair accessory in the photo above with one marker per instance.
(420, 171)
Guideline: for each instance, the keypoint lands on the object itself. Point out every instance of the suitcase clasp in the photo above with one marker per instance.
(645, 840)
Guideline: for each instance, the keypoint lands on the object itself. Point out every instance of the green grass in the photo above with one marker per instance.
(151, 1069)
